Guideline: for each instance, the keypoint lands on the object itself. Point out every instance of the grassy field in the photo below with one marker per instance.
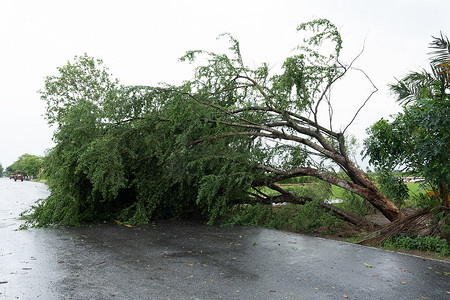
(414, 189)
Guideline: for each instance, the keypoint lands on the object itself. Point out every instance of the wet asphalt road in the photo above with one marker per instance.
(188, 260)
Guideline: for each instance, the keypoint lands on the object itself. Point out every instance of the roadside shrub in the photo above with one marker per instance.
(422, 243)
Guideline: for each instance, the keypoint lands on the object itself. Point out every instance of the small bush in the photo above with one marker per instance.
(421, 243)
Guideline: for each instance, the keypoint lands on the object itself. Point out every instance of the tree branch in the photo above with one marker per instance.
(365, 102)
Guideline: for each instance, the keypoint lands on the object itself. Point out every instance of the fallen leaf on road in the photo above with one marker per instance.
(367, 265)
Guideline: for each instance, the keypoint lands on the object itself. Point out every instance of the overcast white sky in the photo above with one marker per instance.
(141, 41)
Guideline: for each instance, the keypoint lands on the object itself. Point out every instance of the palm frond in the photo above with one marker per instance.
(441, 55)
(412, 86)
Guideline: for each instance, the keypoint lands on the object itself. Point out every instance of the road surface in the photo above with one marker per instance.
(189, 260)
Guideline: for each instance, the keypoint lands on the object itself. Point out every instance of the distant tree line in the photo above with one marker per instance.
(26, 164)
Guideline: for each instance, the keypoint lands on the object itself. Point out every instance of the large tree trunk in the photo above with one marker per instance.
(371, 193)
(364, 187)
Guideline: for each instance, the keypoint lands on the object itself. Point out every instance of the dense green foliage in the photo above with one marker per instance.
(117, 155)
(26, 164)
(418, 138)
(1, 170)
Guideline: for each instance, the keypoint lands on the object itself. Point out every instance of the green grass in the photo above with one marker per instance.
(414, 189)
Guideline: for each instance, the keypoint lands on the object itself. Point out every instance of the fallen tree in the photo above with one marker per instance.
(140, 152)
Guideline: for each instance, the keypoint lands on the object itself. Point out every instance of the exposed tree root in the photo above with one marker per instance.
(421, 223)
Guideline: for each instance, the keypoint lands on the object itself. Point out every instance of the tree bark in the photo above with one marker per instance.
(371, 193)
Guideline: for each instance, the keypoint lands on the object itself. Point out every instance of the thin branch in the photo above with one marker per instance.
(330, 110)
(299, 118)
(241, 133)
(365, 102)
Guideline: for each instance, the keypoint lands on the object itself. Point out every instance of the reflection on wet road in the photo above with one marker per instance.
(188, 260)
